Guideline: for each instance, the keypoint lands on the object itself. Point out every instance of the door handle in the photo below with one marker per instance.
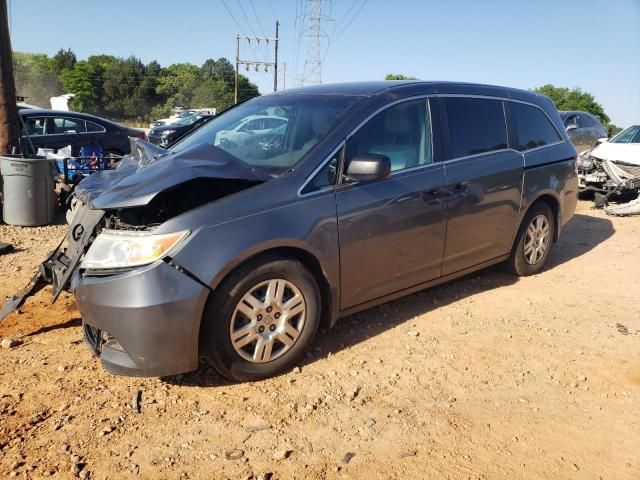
(458, 191)
(435, 196)
(458, 188)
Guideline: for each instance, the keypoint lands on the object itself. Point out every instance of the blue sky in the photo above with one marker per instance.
(592, 44)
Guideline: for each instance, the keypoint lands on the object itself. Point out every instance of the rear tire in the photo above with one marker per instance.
(261, 320)
(534, 241)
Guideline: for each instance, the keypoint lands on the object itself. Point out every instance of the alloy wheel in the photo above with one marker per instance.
(537, 239)
(268, 320)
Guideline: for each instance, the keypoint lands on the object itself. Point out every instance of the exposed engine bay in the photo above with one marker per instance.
(610, 181)
(149, 187)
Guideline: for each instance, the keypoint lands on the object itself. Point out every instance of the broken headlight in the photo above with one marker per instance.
(585, 162)
(120, 249)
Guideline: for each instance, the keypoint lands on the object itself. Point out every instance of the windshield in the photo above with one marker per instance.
(187, 120)
(272, 132)
(630, 135)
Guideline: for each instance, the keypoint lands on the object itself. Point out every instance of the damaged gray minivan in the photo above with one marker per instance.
(237, 244)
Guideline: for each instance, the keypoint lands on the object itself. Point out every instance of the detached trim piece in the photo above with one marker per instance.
(37, 283)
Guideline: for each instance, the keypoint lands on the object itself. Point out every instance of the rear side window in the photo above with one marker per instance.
(94, 127)
(476, 125)
(62, 125)
(533, 127)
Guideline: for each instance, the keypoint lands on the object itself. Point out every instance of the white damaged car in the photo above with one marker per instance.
(613, 168)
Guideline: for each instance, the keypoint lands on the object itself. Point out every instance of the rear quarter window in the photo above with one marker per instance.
(533, 128)
(476, 125)
(94, 127)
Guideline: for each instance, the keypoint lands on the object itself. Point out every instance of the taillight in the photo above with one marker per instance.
(142, 136)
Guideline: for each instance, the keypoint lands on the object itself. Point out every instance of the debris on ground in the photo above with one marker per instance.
(9, 343)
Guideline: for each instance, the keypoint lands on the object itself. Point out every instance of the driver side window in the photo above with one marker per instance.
(401, 132)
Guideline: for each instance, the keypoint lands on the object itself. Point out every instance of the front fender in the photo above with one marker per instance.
(308, 224)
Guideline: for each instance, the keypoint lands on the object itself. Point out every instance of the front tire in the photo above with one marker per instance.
(534, 241)
(261, 320)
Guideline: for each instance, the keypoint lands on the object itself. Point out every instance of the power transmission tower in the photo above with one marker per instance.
(315, 20)
(255, 63)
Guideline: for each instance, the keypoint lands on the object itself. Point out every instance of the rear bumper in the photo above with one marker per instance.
(149, 320)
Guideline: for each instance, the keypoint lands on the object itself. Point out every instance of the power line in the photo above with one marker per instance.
(275, 17)
(353, 4)
(232, 16)
(350, 21)
(255, 14)
(240, 29)
(246, 18)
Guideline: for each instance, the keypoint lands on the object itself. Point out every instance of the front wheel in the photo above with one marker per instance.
(261, 319)
(534, 241)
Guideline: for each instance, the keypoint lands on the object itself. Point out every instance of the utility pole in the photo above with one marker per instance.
(284, 76)
(275, 61)
(257, 63)
(235, 88)
(9, 129)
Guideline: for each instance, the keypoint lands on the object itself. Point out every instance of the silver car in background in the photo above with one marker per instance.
(584, 129)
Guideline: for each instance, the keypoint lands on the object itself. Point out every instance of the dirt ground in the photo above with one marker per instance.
(487, 377)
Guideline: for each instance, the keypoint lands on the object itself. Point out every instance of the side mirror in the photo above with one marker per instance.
(368, 167)
(570, 127)
(602, 140)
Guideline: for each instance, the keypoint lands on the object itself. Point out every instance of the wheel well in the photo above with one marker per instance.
(552, 203)
(312, 263)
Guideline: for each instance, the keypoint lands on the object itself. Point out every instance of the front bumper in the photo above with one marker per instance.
(148, 319)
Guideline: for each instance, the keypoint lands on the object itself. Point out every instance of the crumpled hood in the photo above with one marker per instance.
(149, 170)
(628, 153)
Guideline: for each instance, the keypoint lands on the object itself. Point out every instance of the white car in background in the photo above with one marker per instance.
(624, 148)
(250, 127)
(613, 164)
(182, 114)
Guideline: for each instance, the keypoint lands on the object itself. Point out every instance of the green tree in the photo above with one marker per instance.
(212, 92)
(123, 97)
(80, 80)
(574, 99)
(613, 129)
(246, 89)
(63, 60)
(125, 89)
(398, 76)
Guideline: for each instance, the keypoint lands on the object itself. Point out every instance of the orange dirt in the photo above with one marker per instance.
(490, 376)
